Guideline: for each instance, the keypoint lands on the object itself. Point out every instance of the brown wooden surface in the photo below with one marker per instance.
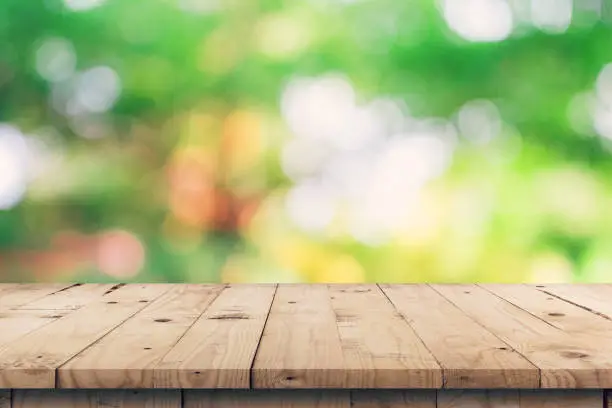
(219, 349)
(126, 357)
(298, 336)
(470, 355)
(564, 359)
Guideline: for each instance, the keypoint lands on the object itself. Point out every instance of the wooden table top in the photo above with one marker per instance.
(305, 336)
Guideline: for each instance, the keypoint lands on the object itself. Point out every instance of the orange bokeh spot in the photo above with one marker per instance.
(191, 180)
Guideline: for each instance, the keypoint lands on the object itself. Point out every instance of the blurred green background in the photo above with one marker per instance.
(306, 140)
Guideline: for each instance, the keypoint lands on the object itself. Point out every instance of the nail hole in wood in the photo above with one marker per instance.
(573, 354)
(503, 348)
(163, 320)
(197, 372)
(540, 286)
(143, 301)
(291, 302)
(230, 316)
(555, 314)
(114, 288)
(467, 292)
(112, 303)
(147, 348)
(290, 378)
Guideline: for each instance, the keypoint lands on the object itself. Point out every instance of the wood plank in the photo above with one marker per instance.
(72, 298)
(522, 399)
(556, 312)
(139, 398)
(300, 346)
(564, 360)
(31, 361)
(7, 287)
(17, 323)
(125, 358)
(266, 399)
(5, 398)
(29, 292)
(380, 349)
(471, 356)
(589, 296)
(218, 350)
(97, 399)
(561, 399)
(393, 399)
(479, 399)
(54, 399)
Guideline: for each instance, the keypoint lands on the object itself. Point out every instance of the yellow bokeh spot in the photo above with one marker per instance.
(551, 268)
(282, 36)
(423, 225)
(341, 269)
(233, 272)
(242, 141)
(220, 52)
(198, 129)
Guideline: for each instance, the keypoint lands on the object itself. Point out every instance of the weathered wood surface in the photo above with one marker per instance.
(296, 336)
(276, 398)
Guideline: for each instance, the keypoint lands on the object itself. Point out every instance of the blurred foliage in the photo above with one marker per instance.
(148, 138)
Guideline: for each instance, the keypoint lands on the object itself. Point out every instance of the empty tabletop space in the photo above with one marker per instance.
(306, 336)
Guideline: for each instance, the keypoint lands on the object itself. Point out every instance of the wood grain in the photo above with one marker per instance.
(564, 360)
(308, 337)
(126, 357)
(380, 349)
(266, 399)
(31, 361)
(593, 297)
(7, 287)
(71, 298)
(17, 323)
(561, 399)
(393, 399)
(556, 312)
(300, 346)
(478, 399)
(26, 293)
(97, 399)
(218, 350)
(470, 355)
